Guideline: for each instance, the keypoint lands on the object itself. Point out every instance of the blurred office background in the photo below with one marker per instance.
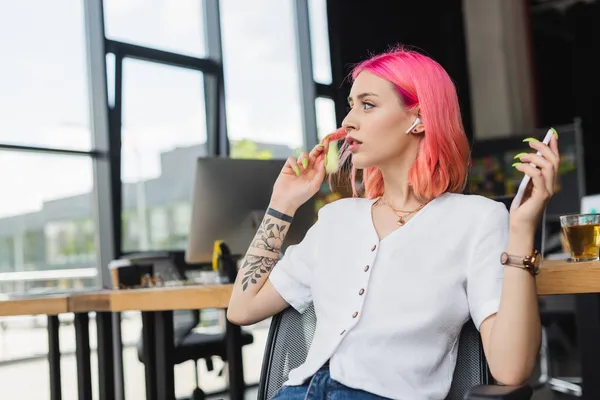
(106, 105)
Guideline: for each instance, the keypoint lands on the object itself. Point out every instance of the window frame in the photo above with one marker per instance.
(214, 97)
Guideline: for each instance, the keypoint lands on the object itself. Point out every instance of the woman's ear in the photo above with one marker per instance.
(416, 127)
(420, 128)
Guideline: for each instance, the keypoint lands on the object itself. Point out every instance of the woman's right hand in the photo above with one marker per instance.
(299, 179)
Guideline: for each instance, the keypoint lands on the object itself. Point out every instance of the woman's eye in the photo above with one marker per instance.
(367, 105)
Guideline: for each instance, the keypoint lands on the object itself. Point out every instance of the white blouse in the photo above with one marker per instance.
(389, 312)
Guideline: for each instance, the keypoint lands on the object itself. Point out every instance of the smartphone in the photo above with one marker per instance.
(525, 181)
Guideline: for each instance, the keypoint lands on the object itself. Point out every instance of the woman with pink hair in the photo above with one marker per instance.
(395, 271)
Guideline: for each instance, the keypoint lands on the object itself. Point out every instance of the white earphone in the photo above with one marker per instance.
(417, 122)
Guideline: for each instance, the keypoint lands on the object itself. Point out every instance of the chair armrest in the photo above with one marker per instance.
(497, 392)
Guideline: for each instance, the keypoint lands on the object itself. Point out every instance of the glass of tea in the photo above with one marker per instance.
(582, 234)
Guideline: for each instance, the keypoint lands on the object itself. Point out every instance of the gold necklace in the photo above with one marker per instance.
(401, 221)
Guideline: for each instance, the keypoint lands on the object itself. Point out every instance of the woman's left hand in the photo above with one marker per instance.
(541, 187)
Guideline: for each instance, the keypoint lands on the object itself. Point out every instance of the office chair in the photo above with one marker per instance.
(194, 346)
(291, 334)
(188, 345)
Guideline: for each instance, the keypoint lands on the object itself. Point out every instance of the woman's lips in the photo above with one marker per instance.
(354, 147)
(353, 144)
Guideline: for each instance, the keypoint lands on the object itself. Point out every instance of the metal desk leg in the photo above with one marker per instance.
(165, 367)
(588, 330)
(106, 381)
(149, 354)
(233, 342)
(117, 347)
(82, 354)
(54, 357)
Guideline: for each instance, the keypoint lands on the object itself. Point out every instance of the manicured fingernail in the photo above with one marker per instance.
(297, 170)
(555, 133)
(517, 163)
(519, 155)
(530, 139)
(305, 163)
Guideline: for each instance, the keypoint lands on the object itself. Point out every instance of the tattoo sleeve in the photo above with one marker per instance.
(264, 251)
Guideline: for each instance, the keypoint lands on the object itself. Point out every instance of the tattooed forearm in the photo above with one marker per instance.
(270, 235)
(247, 305)
(264, 250)
(254, 266)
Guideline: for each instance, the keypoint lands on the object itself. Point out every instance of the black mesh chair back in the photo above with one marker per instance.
(291, 334)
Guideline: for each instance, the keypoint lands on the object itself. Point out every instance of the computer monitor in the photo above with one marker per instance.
(230, 198)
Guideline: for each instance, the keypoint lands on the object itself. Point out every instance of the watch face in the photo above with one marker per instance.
(536, 259)
(504, 258)
(533, 262)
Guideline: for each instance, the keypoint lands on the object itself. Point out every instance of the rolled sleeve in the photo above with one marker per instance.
(485, 272)
(293, 274)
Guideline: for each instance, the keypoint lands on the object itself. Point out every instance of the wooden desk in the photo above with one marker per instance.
(157, 306)
(582, 278)
(556, 277)
(196, 297)
(43, 305)
(561, 277)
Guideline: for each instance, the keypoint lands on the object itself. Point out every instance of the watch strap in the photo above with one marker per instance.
(514, 261)
(529, 263)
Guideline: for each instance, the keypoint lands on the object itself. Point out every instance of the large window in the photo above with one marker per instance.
(164, 69)
(175, 26)
(46, 221)
(261, 78)
(44, 96)
(48, 234)
(46, 205)
(319, 39)
(164, 132)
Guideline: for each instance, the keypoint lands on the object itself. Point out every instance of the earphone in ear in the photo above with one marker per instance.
(417, 122)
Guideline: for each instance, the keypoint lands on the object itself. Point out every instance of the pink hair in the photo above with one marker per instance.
(444, 154)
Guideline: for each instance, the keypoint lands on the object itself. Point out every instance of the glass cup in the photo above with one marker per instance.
(582, 234)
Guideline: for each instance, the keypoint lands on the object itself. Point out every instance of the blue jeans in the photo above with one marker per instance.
(322, 387)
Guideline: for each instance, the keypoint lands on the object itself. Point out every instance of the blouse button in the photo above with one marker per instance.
(361, 291)
(355, 314)
(366, 268)
(374, 247)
